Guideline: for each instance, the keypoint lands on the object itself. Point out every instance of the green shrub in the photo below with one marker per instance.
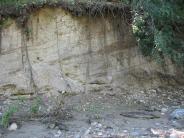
(158, 27)
(35, 106)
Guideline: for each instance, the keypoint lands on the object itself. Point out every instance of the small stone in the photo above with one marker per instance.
(111, 94)
(100, 133)
(153, 91)
(87, 131)
(94, 123)
(99, 125)
(142, 101)
(108, 127)
(63, 127)
(51, 126)
(157, 124)
(13, 127)
(57, 128)
(125, 131)
(142, 92)
(164, 110)
(58, 134)
(63, 92)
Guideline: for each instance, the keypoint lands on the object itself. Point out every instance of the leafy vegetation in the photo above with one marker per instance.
(34, 108)
(158, 26)
(19, 2)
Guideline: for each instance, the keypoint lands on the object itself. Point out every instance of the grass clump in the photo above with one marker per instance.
(12, 109)
(7, 115)
(35, 106)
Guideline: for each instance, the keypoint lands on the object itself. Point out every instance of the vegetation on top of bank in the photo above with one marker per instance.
(159, 28)
(77, 7)
(21, 9)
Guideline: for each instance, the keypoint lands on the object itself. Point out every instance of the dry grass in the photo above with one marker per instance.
(21, 9)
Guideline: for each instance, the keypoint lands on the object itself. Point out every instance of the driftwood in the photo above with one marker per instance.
(140, 115)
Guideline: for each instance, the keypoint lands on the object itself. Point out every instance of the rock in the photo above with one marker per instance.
(164, 110)
(13, 127)
(158, 132)
(57, 128)
(125, 131)
(157, 124)
(100, 133)
(87, 131)
(99, 125)
(139, 115)
(51, 126)
(177, 114)
(58, 134)
(108, 128)
(94, 123)
(63, 127)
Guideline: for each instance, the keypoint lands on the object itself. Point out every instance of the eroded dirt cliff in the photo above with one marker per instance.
(60, 52)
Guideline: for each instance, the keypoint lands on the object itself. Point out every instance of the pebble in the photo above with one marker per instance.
(13, 127)
(100, 133)
(99, 125)
(63, 127)
(57, 128)
(125, 131)
(157, 124)
(51, 126)
(94, 123)
(164, 110)
(58, 134)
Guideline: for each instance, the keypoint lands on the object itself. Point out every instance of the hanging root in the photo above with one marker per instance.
(21, 14)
